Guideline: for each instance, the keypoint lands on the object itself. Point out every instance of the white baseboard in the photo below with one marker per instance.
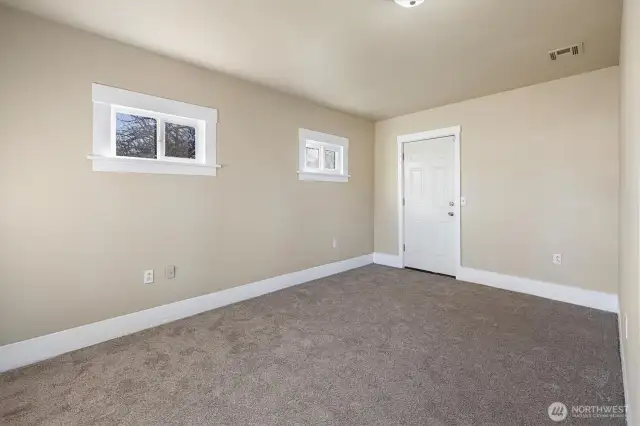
(392, 260)
(40, 348)
(563, 293)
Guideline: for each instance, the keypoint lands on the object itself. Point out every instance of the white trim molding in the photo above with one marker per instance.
(422, 136)
(108, 102)
(145, 165)
(322, 177)
(563, 293)
(385, 259)
(30, 351)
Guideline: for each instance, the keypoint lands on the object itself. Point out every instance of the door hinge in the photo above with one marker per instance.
(403, 156)
(404, 247)
(404, 202)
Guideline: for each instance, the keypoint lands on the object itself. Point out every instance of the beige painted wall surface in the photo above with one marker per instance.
(629, 199)
(540, 174)
(74, 243)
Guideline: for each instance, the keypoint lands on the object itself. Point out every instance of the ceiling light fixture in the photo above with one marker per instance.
(409, 3)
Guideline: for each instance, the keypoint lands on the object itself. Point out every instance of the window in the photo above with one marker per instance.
(139, 133)
(323, 157)
(136, 136)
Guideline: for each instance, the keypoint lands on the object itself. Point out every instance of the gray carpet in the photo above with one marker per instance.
(372, 346)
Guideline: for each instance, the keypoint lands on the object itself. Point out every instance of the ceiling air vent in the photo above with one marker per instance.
(566, 52)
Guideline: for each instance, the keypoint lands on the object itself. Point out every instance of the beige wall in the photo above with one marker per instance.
(74, 243)
(540, 174)
(629, 199)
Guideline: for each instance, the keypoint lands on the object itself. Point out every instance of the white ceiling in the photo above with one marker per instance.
(367, 57)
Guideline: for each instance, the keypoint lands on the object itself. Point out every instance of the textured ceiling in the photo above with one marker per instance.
(367, 57)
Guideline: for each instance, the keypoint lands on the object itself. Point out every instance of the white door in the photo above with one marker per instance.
(429, 210)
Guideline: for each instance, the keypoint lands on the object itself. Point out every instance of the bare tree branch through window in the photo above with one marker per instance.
(180, 141)
(136, 136)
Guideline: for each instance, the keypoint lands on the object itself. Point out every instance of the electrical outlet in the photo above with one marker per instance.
(557, 259)
(148, 276)
(170, 272)
(335, 242)
(463, 201)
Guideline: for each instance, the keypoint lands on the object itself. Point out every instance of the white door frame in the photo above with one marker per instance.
(423, 136)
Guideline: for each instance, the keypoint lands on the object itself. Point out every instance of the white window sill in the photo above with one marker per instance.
(151, 166)
(323, 177)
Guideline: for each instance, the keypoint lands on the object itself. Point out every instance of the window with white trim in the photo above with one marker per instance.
(323, 157)
(138, 133)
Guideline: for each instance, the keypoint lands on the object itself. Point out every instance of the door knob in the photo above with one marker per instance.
(450, 213)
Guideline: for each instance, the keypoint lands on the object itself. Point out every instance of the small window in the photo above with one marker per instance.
(330, 159)
(180, 141)
(136, 136)
(313, 158)
(139, 133)
(323, 157)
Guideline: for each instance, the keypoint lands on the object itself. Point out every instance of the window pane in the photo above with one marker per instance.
(329, 159)
(313, 158)
(180, 141)
(136, 136)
